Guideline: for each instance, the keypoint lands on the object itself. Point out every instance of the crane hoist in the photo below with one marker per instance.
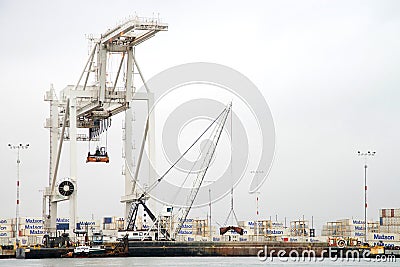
(100, 155)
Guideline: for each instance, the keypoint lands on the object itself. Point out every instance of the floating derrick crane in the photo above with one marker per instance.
(183, 212)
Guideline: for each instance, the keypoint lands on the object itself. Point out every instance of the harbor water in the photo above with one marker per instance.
(189, 261)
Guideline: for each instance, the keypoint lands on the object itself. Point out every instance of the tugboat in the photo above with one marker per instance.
(92, 251)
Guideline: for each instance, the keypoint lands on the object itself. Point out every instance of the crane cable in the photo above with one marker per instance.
(191, 169)
(152, 186)
(196, 189)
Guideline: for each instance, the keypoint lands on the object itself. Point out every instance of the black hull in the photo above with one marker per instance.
(206, 249)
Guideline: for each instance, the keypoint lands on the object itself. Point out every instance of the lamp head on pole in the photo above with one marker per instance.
(365, 154)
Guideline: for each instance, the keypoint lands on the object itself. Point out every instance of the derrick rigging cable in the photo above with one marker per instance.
(152, 186)
(200, 176)
(199, 179)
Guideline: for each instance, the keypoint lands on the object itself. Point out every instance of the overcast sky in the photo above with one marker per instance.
(327, 69)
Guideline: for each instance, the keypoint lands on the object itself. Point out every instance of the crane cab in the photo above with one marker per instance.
(100, 155)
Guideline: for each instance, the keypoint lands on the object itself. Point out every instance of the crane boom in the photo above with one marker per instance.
(131, 218)
(201, 174)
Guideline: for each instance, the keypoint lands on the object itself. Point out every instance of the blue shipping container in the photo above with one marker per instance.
(62, 226)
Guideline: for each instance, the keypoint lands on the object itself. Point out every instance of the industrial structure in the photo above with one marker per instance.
(90, 104)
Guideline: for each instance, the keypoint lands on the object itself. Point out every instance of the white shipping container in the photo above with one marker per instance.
(277, 232)
(249, 224)
(88, 222)
(397, 213)
(6, 234)
(346, 222)
(23, 241)
(32, 228)
(390, 229)
(120, 224)
(110, 233)
(32, 232)
(6, 227)
(116, 218)
(4, 221)
(5, 241)
(31, 220)
(277, 225)
(390, 221)
(188, 221)
(109, 226)
(391, 237)
(357, 222)
(186, 238)
(186, 231)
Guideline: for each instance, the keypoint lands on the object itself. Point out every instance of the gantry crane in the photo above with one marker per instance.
(90, 103)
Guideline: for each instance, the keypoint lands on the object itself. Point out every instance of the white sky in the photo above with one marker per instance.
(328, 70)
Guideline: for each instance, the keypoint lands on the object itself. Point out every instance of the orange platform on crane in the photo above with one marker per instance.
(100, 155)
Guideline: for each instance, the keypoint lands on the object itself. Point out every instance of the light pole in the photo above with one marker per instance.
(209, 225)
(18, 148)
(209, 206)
(365, 155)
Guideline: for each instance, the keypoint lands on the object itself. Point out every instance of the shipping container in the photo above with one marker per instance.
(4, 221)
(389, 221)
(6, 227)
(23, 241)
(62, 226)
(390, 229)
(120, 224)
(109, 226)
(31, 220)
(89, 224)
(277, 232)
(389, 213)
(32, 232)
(397, 213)
(107, 220)
(385, 237)
(6, 234)
(31, 227)
(5, 241)
(35, 240)
(250, 224)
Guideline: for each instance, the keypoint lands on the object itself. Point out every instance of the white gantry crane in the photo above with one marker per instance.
(90, 104)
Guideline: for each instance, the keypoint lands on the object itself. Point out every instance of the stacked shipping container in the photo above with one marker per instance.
(389, 220)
